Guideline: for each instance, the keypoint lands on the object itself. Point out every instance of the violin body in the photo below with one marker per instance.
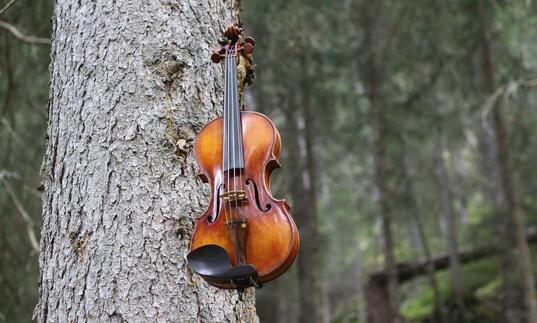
(246, 237)
(257, 228)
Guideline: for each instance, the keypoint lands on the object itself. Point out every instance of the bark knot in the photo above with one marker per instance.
(169, 67)
(184, 228)
(78, 244)
(181, 140)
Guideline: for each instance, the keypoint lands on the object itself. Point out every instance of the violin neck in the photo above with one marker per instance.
(233, 154)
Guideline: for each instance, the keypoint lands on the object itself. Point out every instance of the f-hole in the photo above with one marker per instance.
(214, 217)
(256, 193)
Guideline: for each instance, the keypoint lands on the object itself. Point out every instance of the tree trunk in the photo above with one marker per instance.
(507, 178)
(372, 77)
(304, 194)
(131, 84)
(416, 219)
(448, 215)
(378, 308)
(383, 201)
(305, 214)
(511, 294)
(510, 297)
(311, 223)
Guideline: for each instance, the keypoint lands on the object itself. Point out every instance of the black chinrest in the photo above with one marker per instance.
(212, 262)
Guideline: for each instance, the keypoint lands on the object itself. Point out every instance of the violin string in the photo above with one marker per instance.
(233, 125)
(231, 155)
(227, 208)
(224, 142)
(238, 120)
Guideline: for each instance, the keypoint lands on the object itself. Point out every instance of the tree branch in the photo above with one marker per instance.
(13, 175)
(409, 270)
(25, 216)
(10, 130)
(25, 38)
(490, 102)
(7, 6)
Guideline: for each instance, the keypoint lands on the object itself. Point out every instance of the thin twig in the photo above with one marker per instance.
(4, 173)
(491, 101)
(7, 6)
(13, 175)
(25, 38)
(10, 130)
(528, 83)
(25, 216)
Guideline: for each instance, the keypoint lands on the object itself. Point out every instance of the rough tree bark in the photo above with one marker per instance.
(509, 189)
(131, 84)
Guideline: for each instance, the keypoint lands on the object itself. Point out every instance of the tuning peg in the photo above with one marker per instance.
(216, 58)
(247, 48)
(217, 55)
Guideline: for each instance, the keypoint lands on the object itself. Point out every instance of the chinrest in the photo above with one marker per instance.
(213, 263)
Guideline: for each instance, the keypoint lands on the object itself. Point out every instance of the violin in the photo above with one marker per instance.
(246, 237)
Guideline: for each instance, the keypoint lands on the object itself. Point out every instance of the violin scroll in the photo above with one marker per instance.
(233, 37)
(233, 33)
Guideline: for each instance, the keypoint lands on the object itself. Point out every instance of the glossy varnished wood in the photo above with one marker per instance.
(271, 236)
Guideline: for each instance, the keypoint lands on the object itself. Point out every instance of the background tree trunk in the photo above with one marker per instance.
(448, 215)
(372, 77)
(320, 308)
(416, 219)
(131, 84)
(305, 213)
(379, 129)
(302, 164)
(509, 188)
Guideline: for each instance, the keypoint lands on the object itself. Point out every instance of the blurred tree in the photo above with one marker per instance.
(23, 95)
(291, 93)
(508, 187)
(416, 219)
(372, 76)
(448, 216)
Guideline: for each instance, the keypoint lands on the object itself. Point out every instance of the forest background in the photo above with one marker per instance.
(408, 133)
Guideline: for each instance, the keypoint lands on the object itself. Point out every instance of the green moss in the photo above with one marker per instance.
(420, 307)
(479, 278)
(489, 290)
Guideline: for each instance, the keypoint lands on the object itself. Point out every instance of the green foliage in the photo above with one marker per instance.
(483, 288)
(480, 283)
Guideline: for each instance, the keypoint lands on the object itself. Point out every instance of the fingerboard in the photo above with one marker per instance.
(233, 154)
